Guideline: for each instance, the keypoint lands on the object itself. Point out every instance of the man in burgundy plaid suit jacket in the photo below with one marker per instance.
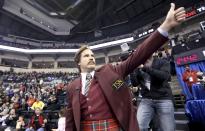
(107, 106)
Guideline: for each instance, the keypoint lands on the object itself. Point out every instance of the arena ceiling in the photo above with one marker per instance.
(107, 18)
(92, 15)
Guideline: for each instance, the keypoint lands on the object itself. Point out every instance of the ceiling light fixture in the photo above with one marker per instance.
(62, 13)
(46, 51)
(112, 43)
(53, 13)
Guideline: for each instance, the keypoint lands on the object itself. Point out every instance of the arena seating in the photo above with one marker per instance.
(18, 86)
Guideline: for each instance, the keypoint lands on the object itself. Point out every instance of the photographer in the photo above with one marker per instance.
(156, 93)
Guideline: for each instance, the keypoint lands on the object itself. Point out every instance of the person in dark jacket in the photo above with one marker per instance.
(157, 99)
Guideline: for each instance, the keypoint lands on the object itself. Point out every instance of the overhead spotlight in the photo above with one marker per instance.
(124, 47)
(53, 13)
(62, 13)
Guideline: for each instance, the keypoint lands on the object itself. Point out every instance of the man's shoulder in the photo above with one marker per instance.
(105, 67)
(73, 84)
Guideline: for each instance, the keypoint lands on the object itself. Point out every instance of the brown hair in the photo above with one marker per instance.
(62, 112)
(78, 55)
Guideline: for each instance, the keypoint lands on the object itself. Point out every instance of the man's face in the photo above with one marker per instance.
(87, 61)
(187, 68)
(37, 111)
(20, 118)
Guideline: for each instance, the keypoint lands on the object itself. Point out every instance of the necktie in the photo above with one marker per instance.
(88, 82)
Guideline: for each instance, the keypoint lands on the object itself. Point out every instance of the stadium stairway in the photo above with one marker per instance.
(181, 119)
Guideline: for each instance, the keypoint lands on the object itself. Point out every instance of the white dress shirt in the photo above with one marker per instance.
(162, 32)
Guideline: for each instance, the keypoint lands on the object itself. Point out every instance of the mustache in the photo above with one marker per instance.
(91, 62)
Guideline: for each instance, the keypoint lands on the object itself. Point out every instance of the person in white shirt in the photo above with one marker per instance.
(61, 121)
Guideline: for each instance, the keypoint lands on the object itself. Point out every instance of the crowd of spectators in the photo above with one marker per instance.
(31, 101)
